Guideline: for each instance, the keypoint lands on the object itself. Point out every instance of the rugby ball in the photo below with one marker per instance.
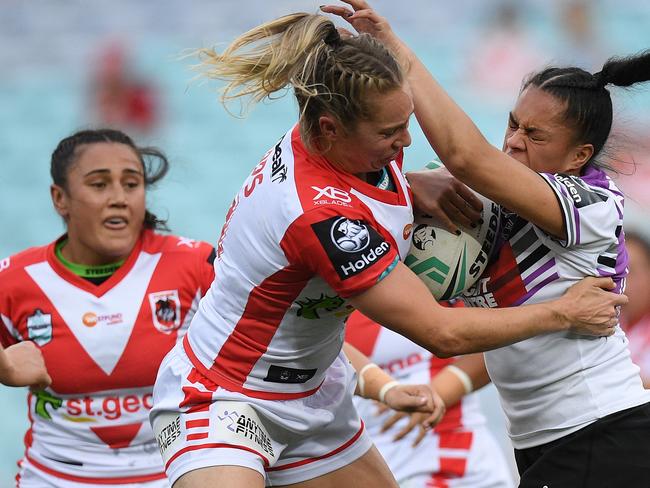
(447, 263)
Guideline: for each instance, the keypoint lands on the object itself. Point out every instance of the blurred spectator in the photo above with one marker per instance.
(503, 54)
(122, 99)
(636, 314)
(579, 43)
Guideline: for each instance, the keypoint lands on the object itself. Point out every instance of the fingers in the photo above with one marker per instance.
(392, 421)
(618, 300)
(605, 283)
(412, 423)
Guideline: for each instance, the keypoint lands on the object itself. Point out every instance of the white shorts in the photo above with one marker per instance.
(29, 476)
(198, 424)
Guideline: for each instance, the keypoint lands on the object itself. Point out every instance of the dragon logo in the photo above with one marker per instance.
(309, 307)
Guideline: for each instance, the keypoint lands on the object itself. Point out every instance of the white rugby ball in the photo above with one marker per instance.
(447, 263)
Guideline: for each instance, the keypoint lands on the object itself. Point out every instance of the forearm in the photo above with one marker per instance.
(6, 366)
(371, 378)
(456, 380)
(471, 330)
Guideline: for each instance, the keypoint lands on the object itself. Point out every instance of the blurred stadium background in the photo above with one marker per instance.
(74, 64)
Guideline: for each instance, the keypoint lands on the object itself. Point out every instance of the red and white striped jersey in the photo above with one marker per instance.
(408, 363)
(102, 346)
(300, 238)
(447, 453)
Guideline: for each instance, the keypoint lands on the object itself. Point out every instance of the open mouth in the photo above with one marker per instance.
(116, 223)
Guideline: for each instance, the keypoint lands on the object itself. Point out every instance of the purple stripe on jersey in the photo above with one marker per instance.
(576, 216)
(622, 258)
(618, 280)
(545, 267)
(537, 288)
(595, 176)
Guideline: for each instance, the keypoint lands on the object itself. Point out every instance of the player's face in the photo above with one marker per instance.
(372, 144)
(104, 203)
(538, 136)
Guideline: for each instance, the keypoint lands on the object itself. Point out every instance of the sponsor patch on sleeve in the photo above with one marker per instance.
(350, 244)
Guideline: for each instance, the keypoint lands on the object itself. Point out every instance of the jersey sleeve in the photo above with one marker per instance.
(593, 217)
(8, 333)
(345, 249)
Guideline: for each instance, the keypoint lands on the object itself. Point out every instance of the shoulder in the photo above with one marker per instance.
(10, 266)
(177, 246)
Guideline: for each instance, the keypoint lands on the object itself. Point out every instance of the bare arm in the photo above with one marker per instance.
(402, 303)
(457, 141)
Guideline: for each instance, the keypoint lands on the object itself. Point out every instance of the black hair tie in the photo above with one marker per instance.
(333, 38)
(600, 80)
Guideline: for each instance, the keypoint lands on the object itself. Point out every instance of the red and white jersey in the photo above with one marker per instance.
(300, 238)
(639, 336)
(554, 384)
(447, 454)
(102, 346)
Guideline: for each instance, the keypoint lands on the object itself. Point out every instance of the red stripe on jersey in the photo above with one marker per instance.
(505, 280)
(437, 481)
(267, 304)
(215, 445)
(362, 333)
(196, 437)
(191, 424)
(324, 456)
(227, 385)
(118, 436)
(452, 467)
(456, 440)
(98, 481)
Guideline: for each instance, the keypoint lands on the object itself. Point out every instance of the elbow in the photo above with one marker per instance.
(445, 345)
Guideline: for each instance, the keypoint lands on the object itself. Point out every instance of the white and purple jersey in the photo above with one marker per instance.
(554, 384)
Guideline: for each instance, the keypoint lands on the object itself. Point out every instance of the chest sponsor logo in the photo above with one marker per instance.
(312, 308)
(4, 263)
(479, 295)
(278, 168)
(91, 319)
(331, 196)
(39, 327)
(165, 310)
(91, 409)
(351, 245)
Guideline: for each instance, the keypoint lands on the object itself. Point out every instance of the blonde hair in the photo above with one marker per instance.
(328, 73)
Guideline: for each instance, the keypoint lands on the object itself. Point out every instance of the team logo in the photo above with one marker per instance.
(350, 235)
(351, 245)
(39, 327)
(165, 310)
(406, 233)
(424, 237)
(309, 308)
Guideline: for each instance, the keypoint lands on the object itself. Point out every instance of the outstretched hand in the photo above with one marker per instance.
(417, 398)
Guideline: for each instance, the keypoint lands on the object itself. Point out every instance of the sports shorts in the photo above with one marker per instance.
(199, 424)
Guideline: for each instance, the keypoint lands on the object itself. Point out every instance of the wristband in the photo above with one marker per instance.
(463, 377)
(360, 380)
(385, 389)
